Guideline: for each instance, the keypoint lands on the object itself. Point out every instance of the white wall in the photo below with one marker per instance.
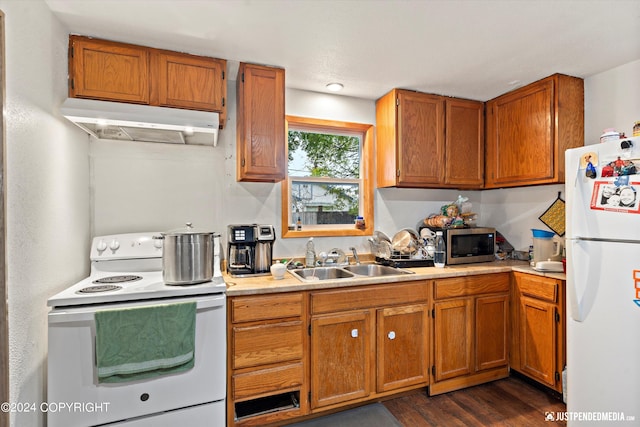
(47, 176)
(612, 100)
(514, 212)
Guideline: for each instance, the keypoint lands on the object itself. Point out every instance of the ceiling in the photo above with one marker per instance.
(476, 49)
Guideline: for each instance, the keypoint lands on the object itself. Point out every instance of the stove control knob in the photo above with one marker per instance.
(101, 246)
(114, 245)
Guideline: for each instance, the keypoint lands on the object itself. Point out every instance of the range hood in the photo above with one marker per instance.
(133, 122)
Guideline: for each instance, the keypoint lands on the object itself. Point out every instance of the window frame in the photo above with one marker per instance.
(366, 175)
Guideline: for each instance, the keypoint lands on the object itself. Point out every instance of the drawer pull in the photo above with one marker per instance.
(391, 335)
(354, 333)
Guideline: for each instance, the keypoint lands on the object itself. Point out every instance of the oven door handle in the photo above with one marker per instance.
(70, 314)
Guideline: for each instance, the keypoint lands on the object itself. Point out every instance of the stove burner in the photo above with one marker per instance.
(117, 279)
(99, 288)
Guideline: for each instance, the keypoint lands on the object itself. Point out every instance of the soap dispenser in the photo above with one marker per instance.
(310, 255)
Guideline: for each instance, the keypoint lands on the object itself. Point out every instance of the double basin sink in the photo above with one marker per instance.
(346, 272)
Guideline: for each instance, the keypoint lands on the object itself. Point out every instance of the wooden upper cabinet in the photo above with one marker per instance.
(187, 81)
(429, 141)
(410, 139)
(261, 139)
(529, 129)
(464, 143)
(100, 69)
(112, 71)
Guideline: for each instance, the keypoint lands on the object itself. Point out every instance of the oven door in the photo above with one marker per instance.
(75, 398)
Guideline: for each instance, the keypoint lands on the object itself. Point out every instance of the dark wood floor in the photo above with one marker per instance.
(508, 402)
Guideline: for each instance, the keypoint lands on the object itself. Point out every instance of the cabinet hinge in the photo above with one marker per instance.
(398, 172)
(242, 163)
(223, 101)
(242, 77)
(71, 51)
(71, 83)
(433, 313)
(433, 370)
(397, 102)
(557, 376)
(309, 396)
(309, 330)
(557, 318)
(222, 74)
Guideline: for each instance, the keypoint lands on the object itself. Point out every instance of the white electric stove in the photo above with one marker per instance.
(128, 267)
(126, 272)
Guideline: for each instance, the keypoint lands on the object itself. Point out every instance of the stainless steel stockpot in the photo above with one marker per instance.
(187, 256)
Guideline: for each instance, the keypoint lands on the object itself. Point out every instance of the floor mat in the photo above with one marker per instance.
(365, 416)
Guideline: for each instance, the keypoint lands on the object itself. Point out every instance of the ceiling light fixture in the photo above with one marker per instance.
(335, 87)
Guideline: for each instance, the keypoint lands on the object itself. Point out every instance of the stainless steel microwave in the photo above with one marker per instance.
(468, 245)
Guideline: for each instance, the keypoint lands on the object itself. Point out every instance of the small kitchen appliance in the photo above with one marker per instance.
(250, 249)
(469, 245)
(126, 277)
(545, 247)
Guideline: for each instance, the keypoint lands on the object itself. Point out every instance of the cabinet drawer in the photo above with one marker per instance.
(267, 381)
(538, 287)
(247, 309)
(367, 297)
(264, 344)
(471, 285)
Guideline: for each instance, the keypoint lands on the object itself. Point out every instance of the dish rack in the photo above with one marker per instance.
(404, 261)
(385, 255)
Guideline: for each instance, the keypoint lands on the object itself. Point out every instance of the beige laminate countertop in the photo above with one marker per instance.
(267, 284)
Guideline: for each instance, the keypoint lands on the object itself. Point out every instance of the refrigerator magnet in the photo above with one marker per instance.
(588, 162)
(608, 196)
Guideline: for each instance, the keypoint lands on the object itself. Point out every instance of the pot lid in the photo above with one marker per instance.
(187, 229)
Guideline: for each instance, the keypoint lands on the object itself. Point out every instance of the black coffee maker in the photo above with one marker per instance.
(250, 249)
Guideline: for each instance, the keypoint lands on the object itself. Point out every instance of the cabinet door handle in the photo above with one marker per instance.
(354, 333)
(391, 335)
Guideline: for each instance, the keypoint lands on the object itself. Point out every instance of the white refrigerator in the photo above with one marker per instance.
(603, 283)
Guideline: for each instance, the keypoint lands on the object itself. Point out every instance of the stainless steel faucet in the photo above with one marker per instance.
(355, 255)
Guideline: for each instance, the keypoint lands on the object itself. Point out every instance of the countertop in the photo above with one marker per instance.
(267, 284)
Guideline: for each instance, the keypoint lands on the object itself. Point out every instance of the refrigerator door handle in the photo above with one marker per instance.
(581, 290)
(599, 239)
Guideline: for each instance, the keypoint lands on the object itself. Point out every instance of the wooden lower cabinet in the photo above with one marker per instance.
(267, 363)
(368, 342)
(492, 332)
(538, 339)
(452, 338)
(402, 347)
(341, 357)
(298, 354)
(471, 330)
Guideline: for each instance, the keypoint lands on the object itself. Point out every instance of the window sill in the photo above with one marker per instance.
(319, 231)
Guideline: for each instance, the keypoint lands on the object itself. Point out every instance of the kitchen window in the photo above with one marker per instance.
(329, 178)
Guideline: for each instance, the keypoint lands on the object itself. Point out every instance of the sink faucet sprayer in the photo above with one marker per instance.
(355, 255)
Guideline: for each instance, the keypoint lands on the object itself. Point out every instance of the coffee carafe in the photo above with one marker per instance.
(250, 249)
(264, 248)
